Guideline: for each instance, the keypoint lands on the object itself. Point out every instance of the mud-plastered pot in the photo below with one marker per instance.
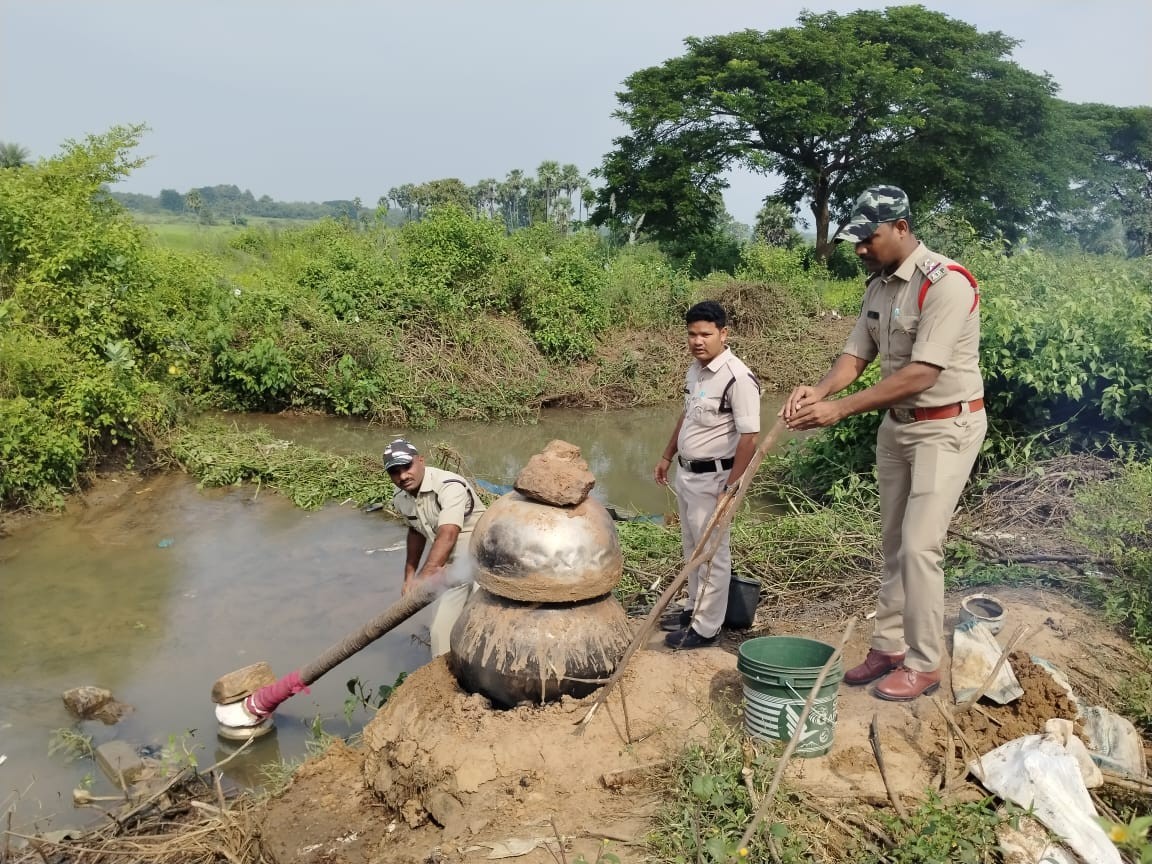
(516, 652)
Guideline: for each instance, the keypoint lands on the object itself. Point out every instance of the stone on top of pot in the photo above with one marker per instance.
(556, 476)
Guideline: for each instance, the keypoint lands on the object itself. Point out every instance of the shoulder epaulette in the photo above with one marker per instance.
(933, 270)
(940, 271)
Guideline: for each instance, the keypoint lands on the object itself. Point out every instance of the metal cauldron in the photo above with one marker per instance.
(540, 553)
(516, 652)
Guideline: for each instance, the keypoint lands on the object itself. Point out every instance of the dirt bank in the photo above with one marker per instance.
(441, 777)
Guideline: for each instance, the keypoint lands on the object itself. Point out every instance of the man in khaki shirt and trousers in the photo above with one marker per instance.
(713, 442)
(442, 508)
(921, 317)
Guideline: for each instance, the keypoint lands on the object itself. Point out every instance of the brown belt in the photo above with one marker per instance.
(938, 412)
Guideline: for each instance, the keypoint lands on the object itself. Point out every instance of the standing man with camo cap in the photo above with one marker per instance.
(921, 317)
(440, 507)
(712, 443)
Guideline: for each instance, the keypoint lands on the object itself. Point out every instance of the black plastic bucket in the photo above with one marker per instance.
(743, 598)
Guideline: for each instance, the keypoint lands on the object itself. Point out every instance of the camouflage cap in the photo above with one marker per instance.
(876, 204)
(399, 453)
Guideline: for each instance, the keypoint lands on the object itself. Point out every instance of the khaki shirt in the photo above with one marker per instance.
(945, 333)
(707, 432)
(443, 498)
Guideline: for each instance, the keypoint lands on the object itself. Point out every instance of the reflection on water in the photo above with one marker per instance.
(161, 589)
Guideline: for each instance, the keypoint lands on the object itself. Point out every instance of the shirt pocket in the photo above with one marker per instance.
(903, 335)
(705, 411)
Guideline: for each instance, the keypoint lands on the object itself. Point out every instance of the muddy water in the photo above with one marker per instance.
(153, 589)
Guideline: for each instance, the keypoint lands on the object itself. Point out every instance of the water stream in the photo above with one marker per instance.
(156, 588)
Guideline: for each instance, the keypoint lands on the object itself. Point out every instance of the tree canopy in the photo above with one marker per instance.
(1113, 183)
(904, 95)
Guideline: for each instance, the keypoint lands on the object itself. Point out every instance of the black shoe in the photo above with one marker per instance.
(676, 620)
(688, 638)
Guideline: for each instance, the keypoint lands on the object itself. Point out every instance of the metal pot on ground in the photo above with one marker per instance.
(516, 652)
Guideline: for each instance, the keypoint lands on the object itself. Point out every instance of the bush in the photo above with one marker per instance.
(39, 458)
(1113, 518)
(1066, 354)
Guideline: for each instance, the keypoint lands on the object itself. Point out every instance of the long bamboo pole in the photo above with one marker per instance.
(726, 508)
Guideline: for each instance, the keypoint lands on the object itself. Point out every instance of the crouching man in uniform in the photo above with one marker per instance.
(442, 508)
(921, 317)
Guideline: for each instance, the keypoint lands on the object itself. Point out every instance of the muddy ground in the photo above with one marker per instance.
(441, 777)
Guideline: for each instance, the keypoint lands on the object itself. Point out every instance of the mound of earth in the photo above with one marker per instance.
(442, 774)
(443, 777)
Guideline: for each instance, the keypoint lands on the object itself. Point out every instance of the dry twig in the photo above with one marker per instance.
(874, 740)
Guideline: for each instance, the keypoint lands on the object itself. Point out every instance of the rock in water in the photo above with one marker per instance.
(84, 702)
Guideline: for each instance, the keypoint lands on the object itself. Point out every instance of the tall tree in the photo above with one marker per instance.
(1111, 149)
(904, 95)
(776, 224)
(12, 155)
(512, 193)
(548, 182)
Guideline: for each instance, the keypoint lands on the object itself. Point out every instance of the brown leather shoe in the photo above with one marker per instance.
(906, 684)
(877, 663)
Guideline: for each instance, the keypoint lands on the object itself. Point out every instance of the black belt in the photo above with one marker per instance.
(705, 466)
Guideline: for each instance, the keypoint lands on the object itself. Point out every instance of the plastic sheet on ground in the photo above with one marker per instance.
(974, 654)
(1114, 742)
(1037, 773)
(1029, 843)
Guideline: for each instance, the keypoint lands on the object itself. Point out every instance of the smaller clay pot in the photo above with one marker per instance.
(532, 652)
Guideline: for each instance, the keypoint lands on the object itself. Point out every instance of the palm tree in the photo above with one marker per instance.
(12, 155)
(570, 181)
(548, 178)
(511, 193)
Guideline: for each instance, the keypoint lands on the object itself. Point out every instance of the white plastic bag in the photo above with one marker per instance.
(974, 654)
(1037, 772)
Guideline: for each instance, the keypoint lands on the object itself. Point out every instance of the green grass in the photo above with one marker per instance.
(187, 235)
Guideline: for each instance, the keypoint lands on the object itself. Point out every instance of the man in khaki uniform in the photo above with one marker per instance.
(921, 317)
(713, 442)
(440, 507)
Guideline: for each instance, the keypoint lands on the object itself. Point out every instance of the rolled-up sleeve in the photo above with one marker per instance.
(860, 343)
(745, 404)
(947, 306)
(453, 499)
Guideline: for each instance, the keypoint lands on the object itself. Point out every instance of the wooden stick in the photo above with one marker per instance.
(992, 547)
(1126, 781)
(949, 753)
(1016, 637)
(959, 733)
(766, 805)
(874, 739)
(726, 507)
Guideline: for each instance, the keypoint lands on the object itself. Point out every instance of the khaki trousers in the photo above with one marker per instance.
(922, 468)
(448, 606)
(696, 497)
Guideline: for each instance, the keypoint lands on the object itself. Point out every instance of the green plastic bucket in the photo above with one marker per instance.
(779, 673)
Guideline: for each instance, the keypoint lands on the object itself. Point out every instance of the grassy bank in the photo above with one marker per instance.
(112, 333)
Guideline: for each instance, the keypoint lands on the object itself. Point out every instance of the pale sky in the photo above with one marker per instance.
(322, 100)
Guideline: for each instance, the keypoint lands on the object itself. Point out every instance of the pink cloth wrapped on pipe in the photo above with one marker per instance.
(267, 699)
